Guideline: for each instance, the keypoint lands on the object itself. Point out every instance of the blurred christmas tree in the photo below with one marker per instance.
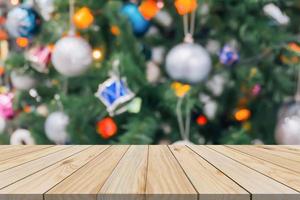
(129, 72)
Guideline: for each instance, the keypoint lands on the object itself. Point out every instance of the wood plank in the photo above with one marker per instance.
(280, 174)
(34, 186)
(210, 183)
(86, 182)
(17, 173)
(20, 150)
(15, 161)
(165, 178)
(282, 148)
(260, 186)
(278, 152)
(129, 177)
(267, 156)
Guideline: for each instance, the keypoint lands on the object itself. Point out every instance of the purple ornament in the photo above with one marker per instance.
(228, 55)
(6, 105)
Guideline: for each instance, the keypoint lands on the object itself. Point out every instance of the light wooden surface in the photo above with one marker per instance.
(91, 172)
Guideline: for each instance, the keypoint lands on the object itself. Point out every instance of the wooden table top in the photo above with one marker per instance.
(146, 172)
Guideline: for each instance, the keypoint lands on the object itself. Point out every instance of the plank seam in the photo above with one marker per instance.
(43, 168)
(146, 179)
(26, 153)
(198, 194)
(223, 173)
(270, 151)
(264, 160)
(97, 194)
(77, 169)
(35, 158)
(255, 169)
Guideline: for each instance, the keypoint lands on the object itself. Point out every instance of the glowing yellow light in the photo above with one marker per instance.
(14, 2)
(97, 54)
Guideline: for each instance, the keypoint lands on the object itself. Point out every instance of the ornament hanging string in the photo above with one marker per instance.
(71, 14)
(189, 26)
(297, 96)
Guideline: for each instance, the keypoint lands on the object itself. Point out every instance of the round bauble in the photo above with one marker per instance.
(22, 81)
(71, 56)
(21, 137)
(139, 24)
(23, 21)
(288, 126)
(107, 128)
(56, 127)
(2, 124)
(6, 105)
(188, 62)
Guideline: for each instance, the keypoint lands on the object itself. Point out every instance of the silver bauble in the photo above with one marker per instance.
(71, 56)
(55, 127)
(21, 136)
(288, 126)
(22, 81)
(188, 62)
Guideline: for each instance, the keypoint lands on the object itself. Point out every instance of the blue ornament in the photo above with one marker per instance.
(114, 92)
(139, 24)
(23, 21)
(228, 55)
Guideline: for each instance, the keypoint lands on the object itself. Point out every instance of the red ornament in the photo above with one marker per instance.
(107, 127)
(201, 120)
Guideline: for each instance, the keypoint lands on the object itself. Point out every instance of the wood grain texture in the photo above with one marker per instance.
(280, 174)
(149, 172)
(86, 182)
(36, 185)
(260, 186)
(14, 174)
(14, 151)
(165, 178)
(15, 161)
(265, 155)
(128, 180)
(210, 183)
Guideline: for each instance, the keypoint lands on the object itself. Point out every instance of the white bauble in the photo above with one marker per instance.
(288, 126)
(158, 54)
(152, 72)
(216, 84)
(2, 125)
(22, 81)
(210, 109)
(42, 110)
(71, 56)
(55, 127)
(274, 12)
(21, 136)
(46, 8)
(188, 62)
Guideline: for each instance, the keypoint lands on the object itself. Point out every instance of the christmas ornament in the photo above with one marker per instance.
(294, 47)
(46, 8)
(152, 72)
(56, 127)
(228, 55)
(139, 24)
(83, 18)
(6, 105)
(287, 131)
(22, 81)
(39, 58)
(114, 92)
(185, 6)
(274, 12)
(216, 84)
(135, 105)
(210, 106)
(149, 9)
(188, 62)
(2, 124)
(164, 19)
(256, 89)
(115, 30)
(157, 54)
(242, 114)
(23, 21)
(180, 89)
(107, 128)
(71, 56)
(201, 120)
(22, 42)
(42, 110)
(21, 137)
